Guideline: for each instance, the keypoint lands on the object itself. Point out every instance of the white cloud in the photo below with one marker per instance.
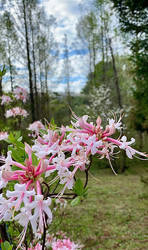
(67, 13)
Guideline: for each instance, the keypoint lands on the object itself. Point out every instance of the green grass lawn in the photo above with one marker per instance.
(114, 215)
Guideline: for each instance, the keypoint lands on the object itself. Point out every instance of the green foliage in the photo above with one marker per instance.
(15, 138)
(17, 147)
(53, 126)
(75, 201)
(3, 71)
(133, 15)
(6, 246)
(18, 154)
(35, 160)
(78, 188)
(80, 191)
(134, 20)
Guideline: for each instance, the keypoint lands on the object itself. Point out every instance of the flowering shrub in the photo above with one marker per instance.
(17, 111)
(59, 241)
(35, 127)
(3, 136)
(64, 244)
(44, 171)
(10, 100)
(20, 94)
(5, 99)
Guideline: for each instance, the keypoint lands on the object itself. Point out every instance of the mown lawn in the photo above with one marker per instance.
(113, 216)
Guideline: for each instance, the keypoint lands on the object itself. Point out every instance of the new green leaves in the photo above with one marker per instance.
(80, 191)
(6, 246)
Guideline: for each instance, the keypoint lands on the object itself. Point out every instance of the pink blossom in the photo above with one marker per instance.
(26, 198)
(20, 94)
(41, 207)
(37, 247)
(35, 127)
(6, 99)
(63, 151)
(5, 208)
(64, 244)
(48, 144)
(17, 111)
(3, 136)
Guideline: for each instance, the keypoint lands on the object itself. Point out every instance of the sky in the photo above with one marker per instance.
(67, 13)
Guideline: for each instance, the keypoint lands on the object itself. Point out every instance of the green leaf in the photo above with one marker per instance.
(20, 139)
(19, 144)
(18, 154)
(11, 138)
(78, 187)
(52, 124)
(6, 246)
(43, 131)
(15, 138)
(35, 160)
(17, 134)
(76, 201)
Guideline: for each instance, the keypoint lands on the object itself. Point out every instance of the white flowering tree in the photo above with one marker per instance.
(99, 102)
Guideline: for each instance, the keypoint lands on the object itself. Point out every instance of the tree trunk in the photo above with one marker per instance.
(2, 113)
(11, 74)
(1, 90)
(29, 64)
(90, 64)
(34, 66)
(115, 76)
(10, 64)
(122, 166)
(94, 62)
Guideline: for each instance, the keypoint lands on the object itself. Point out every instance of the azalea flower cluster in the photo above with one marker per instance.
(17, 111)
(35, 127)
(57, 242)
(19, 93)
(64, 244)
(3, 136)
(60, 153)
(5, 99)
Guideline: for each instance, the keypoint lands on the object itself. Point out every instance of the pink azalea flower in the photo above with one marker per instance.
(37, 247)
(26, 198)
(48, 144)
(63, 151)
(6, 99)
(17, 111)
(64, 244)
(35, 127)
(3, 136)
(41, 207)
(21, 194)
(5, 208)
(20, 94)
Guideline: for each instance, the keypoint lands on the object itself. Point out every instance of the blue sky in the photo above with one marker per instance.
(67, 13)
